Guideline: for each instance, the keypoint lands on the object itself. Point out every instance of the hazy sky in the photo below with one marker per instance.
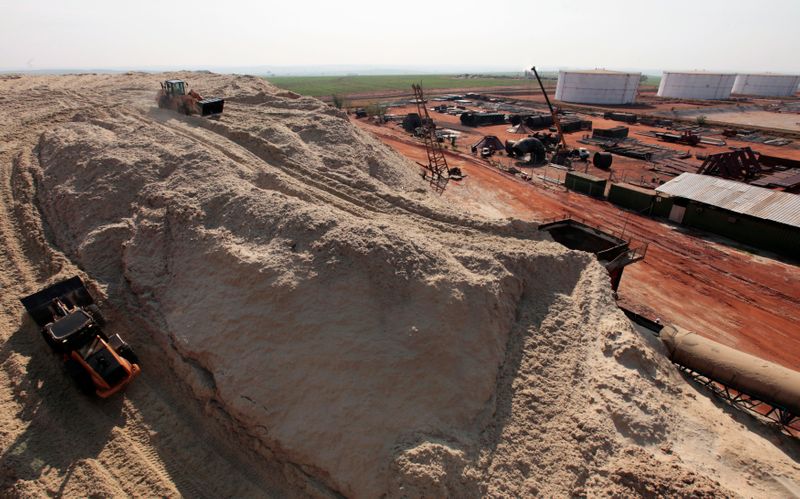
(678, 34)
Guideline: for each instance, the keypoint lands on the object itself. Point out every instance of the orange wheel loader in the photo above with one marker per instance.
(72, 326)
(173, 96)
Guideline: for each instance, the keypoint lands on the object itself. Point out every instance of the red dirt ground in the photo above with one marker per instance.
(738, 298)
(629, 169)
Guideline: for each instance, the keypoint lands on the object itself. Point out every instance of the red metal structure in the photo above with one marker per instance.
(685, 137)
(737, 165)
(437, 163)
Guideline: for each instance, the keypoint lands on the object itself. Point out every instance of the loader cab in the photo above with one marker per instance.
(70, 331)
(175, 87)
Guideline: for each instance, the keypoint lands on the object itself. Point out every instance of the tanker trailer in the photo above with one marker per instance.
(771, 383)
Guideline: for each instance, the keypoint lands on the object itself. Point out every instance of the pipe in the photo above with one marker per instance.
(602, 160)
(530, 145)
(771, 383)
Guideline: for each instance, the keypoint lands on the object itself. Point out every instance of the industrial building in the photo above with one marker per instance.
(760, 217)
(766, 84)
(597, 86)
(696, 85)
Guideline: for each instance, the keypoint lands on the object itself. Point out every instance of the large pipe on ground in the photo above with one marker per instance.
(771, 383)
(602, 160)
(531, 145)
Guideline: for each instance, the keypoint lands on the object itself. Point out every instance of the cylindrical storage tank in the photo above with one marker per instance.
(766, 84)
(696, 85)
(768, 382)
(597, 87)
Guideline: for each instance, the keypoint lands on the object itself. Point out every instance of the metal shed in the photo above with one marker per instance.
(756, 216)
(780, 207)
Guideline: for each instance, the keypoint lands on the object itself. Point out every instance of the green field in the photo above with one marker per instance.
(651, 81)
(319, 86)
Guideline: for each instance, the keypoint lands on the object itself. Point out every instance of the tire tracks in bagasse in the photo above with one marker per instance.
(153, 440)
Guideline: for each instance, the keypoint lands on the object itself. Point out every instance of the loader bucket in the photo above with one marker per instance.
(211, 106)
(71, 291)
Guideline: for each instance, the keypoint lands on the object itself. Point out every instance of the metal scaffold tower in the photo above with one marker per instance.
(437, 170)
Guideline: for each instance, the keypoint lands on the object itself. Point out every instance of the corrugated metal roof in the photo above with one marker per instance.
(781, 207)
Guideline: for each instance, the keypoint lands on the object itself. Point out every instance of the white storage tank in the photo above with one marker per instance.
(766, 84)
(597, 86)
(696, 85)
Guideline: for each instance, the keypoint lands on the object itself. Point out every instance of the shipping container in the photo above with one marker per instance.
(586, 184)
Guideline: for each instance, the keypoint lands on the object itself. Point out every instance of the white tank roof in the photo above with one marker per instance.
(767, 73)
(766, 84)
(696, 84)
(597, 86)
(699, 72)
(598, 72)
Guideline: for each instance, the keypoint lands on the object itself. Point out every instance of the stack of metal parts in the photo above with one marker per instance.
(757, 138)
(673, 167)
(631, 148)
(703, 139)
(617, 132)
(786, 180)
(572, 123)
(740, 164)
(698, 129)
(618, 116)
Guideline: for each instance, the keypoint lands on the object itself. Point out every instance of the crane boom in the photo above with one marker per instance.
(552, 111)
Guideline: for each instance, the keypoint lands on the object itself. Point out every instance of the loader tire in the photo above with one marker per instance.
(127, 353)
(82, 379)
(97, 316)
